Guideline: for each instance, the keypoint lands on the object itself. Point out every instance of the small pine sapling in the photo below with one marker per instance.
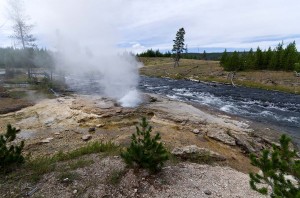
(10, 155)
(144, 151)
(277, 166)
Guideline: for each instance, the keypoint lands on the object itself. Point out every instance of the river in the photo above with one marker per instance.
(280, 111)
(276, 109)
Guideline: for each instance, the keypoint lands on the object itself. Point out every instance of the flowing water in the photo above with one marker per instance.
(280, 110)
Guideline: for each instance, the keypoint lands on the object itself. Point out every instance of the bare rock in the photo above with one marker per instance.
(207, 192)
(47, 140)
(86, 137)
(194, 153)
(221, 135)
(249, 145)
(92, 129)
(152, 99)
(196, 131)
(100, 125)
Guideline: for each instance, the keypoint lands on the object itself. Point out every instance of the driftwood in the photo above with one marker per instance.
(231, 76)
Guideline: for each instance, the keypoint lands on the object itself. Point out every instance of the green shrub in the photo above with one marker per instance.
(10, 155)
(297, 67)
(144, 151)
(275, 166)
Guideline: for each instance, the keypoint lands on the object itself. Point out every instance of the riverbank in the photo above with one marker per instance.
(210, 71)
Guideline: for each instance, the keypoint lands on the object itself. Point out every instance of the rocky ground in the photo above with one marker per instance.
(66, 123)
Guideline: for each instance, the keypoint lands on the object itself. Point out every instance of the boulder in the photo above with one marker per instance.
(100, 125)
(47, 140)
(86, 137)
(92, 129)
(247, 143)
(196, 154)
(221, 135)
(196, 131)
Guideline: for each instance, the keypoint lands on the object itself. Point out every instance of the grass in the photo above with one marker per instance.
(210, 71)
(17, 94)
(115, 177)
(68, 177)
(37, 167)
(80, 164)
(17, 79)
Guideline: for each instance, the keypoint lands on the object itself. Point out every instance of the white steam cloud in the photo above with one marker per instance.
(85, 36)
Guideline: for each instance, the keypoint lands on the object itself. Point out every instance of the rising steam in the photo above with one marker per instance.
(84, 35)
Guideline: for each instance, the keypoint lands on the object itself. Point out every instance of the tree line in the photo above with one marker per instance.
(192, 55)
(279, 58)
(23, 58)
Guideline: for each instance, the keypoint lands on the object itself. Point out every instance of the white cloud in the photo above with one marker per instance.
(153, 23)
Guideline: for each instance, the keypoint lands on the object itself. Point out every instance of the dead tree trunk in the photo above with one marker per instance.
(176, 59)
(231, 76)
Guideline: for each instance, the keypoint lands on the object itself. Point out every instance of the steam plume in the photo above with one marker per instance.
(85, 36)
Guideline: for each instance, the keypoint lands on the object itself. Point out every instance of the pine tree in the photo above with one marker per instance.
(275, 166)
(144, 151)
(290, 56)
(268, 57)
(234, 62)
(258, 59)
(178, 46)
(279, 57)
(224, 59)
(243, 60)
(204, 56)
(297, 67)
(250, 62)
(10, 155)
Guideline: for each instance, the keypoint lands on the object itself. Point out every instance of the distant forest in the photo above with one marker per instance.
(199, 56)
(279, 58)
(24, 58)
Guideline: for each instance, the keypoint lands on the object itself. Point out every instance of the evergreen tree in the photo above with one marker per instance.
(250, 62)
(234, 62)
(275, 166)
(297, 67)
(279, 57)
(10, 155)
(290, 56)
(259, 59)
(224, 59)
(167, 54)
(144, 151)
(204, 56)
(268, 57)
(178, 46)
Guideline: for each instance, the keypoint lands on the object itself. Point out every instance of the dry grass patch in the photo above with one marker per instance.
(212, 72)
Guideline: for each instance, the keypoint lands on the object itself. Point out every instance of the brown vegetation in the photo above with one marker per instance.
(211, 71)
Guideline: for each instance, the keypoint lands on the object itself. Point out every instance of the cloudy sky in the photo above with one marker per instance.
(137, 25)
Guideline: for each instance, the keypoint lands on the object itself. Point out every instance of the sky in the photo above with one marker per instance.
(138, 25)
